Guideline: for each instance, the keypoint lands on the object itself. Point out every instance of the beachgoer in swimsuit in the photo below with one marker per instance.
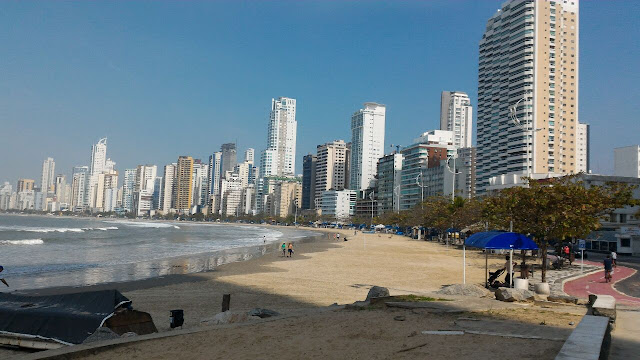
(290, 249)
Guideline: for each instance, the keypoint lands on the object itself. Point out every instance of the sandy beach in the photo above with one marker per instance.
(322, 272)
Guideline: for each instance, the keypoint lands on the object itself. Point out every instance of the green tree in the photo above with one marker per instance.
(555, 209)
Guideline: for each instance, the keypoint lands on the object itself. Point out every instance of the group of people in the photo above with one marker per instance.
(287, 248)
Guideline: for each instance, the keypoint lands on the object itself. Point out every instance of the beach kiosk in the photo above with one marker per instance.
(497, 240)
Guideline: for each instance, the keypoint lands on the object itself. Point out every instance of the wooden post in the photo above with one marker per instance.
(226, 302)
(486, 268)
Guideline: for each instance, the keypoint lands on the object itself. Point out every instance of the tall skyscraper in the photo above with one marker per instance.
(279, 158)
(583, 163)
(48, 176)
(97, 167)
(331, 170)
(249, 155)
(184, 184)
(456, 115)
(215, 173)
(79, 187)
(229, 157)
(309, 181)
(367, 144)
(529, 59)
(167, 199)
(128, 189)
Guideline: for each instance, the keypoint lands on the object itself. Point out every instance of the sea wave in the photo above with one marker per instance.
(144, 224)
(22, 242)
(49, 230)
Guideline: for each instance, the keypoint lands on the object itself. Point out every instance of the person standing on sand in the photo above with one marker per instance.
(607, 269)
(338, 236)
(284, 249)
(2, 279)
(290, 249)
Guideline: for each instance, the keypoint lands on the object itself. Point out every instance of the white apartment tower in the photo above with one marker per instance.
(367, 144)
(249, 155)
(528, 60)
(627, 161)
(128, 189)
(456, 115)
(279, 158)
(166, 195)
(97, 167)
(48, 177)
(582, 149)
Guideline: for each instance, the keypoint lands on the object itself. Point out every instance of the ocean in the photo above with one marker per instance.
(51, 251)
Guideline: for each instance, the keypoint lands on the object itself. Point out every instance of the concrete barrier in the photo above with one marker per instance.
(590, 340)
(604, 305)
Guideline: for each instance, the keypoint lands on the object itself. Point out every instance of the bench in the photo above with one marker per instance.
(590, 340)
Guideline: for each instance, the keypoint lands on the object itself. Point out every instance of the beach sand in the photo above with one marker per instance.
(320, 273)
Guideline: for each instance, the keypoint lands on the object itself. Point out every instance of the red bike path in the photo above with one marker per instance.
(595, 284)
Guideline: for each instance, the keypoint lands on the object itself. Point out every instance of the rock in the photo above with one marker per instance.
(511, 295)
(101, 334)
(227, 317)
(263, 313)
(358, 305)
(377, 291)
(561, 298)
(465, 290)
(399, 318)
(128, 334)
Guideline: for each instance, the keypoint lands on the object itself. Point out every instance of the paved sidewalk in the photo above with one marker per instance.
(595, 284)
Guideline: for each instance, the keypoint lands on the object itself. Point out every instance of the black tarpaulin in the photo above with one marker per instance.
(68, 318)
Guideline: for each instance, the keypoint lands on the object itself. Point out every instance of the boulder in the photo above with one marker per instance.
(101, 334)
(227, 317)
(377, 291)
(464, 290)
(263, 313)
(511, 295)
(561, 298)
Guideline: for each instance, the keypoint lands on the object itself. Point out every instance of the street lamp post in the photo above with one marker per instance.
(396, 191)
(371, 196)
(421, 184)
(453, 176)
(525, 125)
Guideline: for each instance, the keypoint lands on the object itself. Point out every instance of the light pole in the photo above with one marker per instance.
(295, 217)
(421, 184)
(371, 196)
(453, 176)
(396, 191)
(525, 125)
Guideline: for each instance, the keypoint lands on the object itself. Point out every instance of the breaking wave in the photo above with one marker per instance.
(22, 242)
(50, 230)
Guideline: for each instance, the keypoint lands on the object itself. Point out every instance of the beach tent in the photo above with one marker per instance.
(64, 319)
(379, 226)
(493, 240)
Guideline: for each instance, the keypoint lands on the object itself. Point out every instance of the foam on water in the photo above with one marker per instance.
(144, 224)
(22, 242)
(50, 230)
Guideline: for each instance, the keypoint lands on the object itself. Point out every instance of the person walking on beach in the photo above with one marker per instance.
(607, 268)
(290, 249)
(284, 249)
(2, 279)
(338, 236)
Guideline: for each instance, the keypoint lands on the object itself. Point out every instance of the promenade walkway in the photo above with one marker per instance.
(594, 284)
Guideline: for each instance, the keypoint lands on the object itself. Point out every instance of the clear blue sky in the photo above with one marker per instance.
(163, 79)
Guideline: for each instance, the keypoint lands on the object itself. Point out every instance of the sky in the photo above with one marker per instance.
(167, 78)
